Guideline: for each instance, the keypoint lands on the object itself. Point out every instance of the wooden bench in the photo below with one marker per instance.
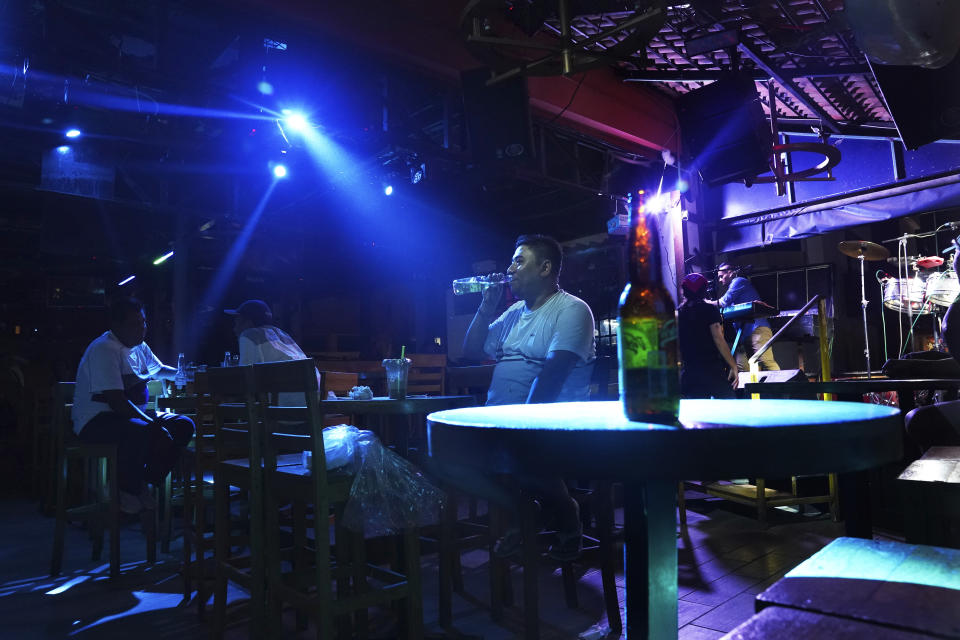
(931, 498)
(896, 587)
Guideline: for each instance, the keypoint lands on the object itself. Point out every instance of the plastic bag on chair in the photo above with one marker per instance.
(340, 445)
(389, 493)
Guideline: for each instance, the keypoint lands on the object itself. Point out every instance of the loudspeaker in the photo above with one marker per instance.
(498, 119)
(724, 131)
(784, 375)
(924, 103)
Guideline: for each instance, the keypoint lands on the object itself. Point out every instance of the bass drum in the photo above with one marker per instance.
(943, 288)
(899, 293)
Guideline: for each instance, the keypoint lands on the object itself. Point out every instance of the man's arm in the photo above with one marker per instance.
(480, 325)
(165, 373)
(120, 404)
(716, 332)
(546, 386)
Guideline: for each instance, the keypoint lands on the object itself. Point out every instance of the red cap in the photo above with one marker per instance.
(693, 282)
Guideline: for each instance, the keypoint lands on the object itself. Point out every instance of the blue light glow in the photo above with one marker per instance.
(63, 149)
(265, 88)
(72, 133)
(125, 280)
(280, 171)
(388, 190)
(297, 122)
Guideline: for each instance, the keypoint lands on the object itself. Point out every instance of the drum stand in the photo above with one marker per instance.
(863, 307)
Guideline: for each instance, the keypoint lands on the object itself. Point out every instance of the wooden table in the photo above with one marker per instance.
(382, 406)
(854, 389)
(718, 439)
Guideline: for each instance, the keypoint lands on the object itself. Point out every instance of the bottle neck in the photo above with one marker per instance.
(644, 247)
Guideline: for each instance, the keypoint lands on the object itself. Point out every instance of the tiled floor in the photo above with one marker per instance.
(725, 559)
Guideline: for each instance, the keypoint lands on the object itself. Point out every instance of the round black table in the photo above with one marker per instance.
(718, 439)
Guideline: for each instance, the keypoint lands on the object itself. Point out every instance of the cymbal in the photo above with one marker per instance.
(869, 250)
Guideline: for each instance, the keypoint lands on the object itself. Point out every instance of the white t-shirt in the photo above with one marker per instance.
(271, 344)
(520, 340)
(108, 365)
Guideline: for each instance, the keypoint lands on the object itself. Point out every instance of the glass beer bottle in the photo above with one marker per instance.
(647, 331)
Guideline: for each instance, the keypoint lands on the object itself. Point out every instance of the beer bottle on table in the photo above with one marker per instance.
(647, 331)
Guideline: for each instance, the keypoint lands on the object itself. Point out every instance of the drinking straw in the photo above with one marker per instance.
(403, 352)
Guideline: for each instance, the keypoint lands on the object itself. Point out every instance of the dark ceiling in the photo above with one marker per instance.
(157, 84)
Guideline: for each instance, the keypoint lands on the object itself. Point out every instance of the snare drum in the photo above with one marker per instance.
(899, 293)
(943, 288)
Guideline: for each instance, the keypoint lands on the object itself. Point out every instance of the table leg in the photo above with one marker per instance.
(853, 492)
(650, 559)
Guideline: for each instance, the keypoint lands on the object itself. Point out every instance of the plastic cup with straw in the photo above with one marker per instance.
(397, 372)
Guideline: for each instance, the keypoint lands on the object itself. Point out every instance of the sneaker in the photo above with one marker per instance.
(130, 503)
(147, 500)
(509, 544)
(568, 545)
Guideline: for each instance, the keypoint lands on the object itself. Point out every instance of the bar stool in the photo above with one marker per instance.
(104, 509)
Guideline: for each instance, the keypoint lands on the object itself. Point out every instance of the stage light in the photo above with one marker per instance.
(72, 133)
(683, 186)
(63, 149)
(388, 190)
(296, 121)
(418, 173)
(125, 280)
(280, 171)
(163, 258)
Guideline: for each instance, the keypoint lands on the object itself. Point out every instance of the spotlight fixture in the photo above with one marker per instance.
(418, 173)
(388, 190)
(63, 149)
(72, 133)
(296, 121)
(280, 171)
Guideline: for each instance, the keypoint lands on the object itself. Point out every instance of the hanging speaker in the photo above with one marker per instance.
(924, 103)
(724, 131)
(498, 119)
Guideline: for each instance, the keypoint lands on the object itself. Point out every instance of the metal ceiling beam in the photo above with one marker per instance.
(697, 75)
(784, 81)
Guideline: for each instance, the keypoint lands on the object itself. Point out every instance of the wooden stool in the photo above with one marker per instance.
(890, 584)
(530, 557)
(104, 509)
(778, 623)
(931, 492)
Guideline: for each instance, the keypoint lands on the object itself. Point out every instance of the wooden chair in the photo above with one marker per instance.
(310, 588)
(427, 374)
(103, 490)
(233, 420)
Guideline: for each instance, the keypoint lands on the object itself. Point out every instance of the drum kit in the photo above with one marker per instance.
(925, 292)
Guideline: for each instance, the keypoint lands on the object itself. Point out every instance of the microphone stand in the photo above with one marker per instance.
(863, 308)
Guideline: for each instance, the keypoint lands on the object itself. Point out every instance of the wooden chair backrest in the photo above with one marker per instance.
(293, 376)
(340, 382)
(233, 405)
(427, 374)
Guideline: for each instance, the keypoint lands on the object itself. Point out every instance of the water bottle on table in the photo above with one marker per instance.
(180, 378)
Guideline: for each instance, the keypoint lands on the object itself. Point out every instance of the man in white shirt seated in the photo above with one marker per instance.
(261, 341)
(110, 405)
(545, 351)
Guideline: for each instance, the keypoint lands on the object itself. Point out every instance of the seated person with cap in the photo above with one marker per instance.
(110, 405)
(262, 341)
